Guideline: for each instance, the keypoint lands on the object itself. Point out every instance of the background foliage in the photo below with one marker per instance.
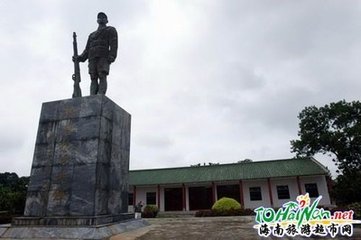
(12, 192)
(335, 130)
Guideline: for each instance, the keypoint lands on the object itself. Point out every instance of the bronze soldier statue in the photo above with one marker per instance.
(101, 51)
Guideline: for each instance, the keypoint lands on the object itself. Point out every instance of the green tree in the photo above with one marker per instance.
(334, 129)
(12, 192)
(347, 188)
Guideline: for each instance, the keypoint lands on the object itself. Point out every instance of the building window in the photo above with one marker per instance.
(130, 199)
(283, 192)
(151, 198)
(312, 190)
(255, 193)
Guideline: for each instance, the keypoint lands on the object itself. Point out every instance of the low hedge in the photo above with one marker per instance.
(150, 211)
(204, 213)
(239, 212)
(5, 217)
(225, 207)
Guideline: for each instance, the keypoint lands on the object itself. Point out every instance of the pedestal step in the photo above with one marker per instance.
(72, 221)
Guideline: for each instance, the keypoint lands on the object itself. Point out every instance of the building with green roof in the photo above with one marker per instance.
(255, 183)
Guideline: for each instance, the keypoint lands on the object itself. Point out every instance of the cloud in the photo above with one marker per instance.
(9, 143)
(205, 81)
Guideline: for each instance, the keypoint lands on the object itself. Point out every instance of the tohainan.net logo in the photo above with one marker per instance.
(304, 219)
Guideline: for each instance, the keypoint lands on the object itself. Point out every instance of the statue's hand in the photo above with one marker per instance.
(78, 58)
(111, 59)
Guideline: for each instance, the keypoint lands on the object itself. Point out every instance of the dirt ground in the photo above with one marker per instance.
(214, 228)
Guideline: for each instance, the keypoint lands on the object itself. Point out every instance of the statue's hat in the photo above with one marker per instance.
(102, 14)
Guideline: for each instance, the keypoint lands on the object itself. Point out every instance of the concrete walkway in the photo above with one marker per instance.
(211, 228)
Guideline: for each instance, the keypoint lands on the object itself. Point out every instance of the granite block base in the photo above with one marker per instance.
(81, 163)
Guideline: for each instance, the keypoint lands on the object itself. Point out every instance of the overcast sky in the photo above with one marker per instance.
(204, 81)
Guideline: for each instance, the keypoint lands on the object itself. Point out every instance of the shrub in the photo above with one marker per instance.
(237, 212)
(204, 213)
(338, 208)
(247, 212)
(150, 211)
(226, 207)
(356, 207)
(5, 217)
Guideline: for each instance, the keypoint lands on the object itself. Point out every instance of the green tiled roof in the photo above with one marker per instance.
(226, 172)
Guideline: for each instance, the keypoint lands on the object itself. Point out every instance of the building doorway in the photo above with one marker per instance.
(173, 198)
(200, 198)
(230, 191)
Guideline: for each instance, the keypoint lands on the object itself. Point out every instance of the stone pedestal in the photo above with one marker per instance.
(80, 168)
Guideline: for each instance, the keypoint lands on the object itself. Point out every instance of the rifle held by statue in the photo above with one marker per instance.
(76, 75)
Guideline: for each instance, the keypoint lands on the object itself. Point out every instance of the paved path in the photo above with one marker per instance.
(212, 228)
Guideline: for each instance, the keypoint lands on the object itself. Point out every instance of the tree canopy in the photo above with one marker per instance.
(332, 129)
(12, 192)
(347, 188)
